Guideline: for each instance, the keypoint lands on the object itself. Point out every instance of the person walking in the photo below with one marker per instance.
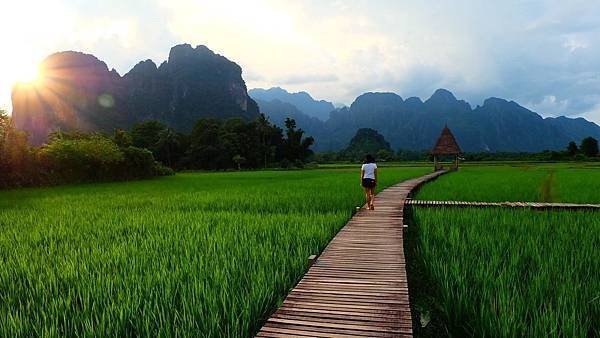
(368, 180)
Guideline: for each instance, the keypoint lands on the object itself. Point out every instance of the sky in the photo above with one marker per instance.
(545, 55)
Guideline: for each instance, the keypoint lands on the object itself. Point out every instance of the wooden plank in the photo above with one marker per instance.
(518, 204)
(358, 285)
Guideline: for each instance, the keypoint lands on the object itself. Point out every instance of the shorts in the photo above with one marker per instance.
(368, 183)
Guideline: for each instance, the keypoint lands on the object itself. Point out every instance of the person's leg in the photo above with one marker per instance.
(367, 197)
(371, 197)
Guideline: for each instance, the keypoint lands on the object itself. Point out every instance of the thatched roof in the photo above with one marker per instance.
(446, 144)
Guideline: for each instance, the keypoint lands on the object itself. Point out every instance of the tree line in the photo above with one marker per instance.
(369, 141)
(148, 149)
(222, 144)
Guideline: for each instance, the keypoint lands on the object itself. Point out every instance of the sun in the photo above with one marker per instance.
(26, 73)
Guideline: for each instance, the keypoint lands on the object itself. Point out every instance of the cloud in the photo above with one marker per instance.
(307, 78)
(543, 54)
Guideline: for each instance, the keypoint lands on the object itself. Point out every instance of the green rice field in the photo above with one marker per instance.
(512, 272)
(500, 272)
(196, 254)
(213, 254)
(564, 182)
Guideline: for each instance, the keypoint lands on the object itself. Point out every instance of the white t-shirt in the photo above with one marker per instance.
(369, 169)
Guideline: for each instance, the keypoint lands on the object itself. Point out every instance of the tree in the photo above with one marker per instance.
(270, 137)
(589, 146)
(296, 146)
(17, 163)
(572, 148)
(239, 160)
(206, 145)
(122, 138)
(167, 146)
(83, 159)
(384, 154)
(147, 134)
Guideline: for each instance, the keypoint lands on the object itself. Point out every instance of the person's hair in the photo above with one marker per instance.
(369, 159)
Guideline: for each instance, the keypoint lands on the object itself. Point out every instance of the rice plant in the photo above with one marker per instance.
(556, 182)
(513, 272)
(196, 254)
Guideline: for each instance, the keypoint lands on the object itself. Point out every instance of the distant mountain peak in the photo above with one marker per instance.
(442, 96)
(143, 67)
(301, 100)
(494, 101)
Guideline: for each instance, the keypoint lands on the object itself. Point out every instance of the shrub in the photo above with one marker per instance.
(138, 163)
(93, 158)
(285, 163)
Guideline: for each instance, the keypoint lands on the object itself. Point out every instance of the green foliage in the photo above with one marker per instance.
(239, 160)
(587, 151)
(85, 159)
(589, 147)
(122, 139)
(167, 145)
(384, 155)
(513, 272)
(71, 157)
(217, 144)
(139, 163)
(296, 147)
(572, 148)
(196, 254)
(17, 159)
(366, 141)
(411, 155)
(147, 134)
(574, 183)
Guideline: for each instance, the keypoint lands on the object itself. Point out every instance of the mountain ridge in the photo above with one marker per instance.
(78, 92)
(302, 100)
(414, 124)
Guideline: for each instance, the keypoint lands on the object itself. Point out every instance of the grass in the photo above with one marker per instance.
(200, 254)
(507, 272)
(564, 182)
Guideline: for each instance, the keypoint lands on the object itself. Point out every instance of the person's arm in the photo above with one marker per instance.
(375, 175)
(362, 174)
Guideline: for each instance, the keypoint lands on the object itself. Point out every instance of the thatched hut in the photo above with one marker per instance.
(446, 145)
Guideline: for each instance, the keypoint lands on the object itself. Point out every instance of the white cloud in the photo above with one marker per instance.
(540, 53)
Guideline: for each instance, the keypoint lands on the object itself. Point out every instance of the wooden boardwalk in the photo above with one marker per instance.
(532, 205)
(358, 286)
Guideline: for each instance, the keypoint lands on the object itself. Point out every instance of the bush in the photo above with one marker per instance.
(161, 170)
(94, 158)
(97, 158)
(138, 163)
(285, 163)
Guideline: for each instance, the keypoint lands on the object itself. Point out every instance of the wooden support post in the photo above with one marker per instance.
(311, 260)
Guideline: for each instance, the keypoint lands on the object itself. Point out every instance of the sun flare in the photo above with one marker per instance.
(26, 73)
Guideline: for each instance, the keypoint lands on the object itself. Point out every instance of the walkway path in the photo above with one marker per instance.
(533, 205)
(358, 286)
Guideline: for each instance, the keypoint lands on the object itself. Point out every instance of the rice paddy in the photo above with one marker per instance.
(508, 272)
(213, 254)
(574, 183)
(196, 254)
(512, 272)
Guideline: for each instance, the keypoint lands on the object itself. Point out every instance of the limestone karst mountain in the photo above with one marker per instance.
(78, 91)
